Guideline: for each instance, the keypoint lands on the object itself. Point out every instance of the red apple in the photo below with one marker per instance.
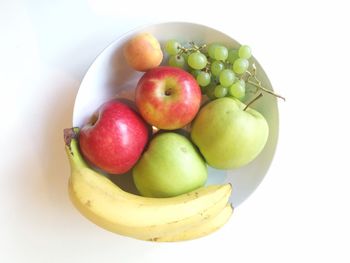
(168, 97)
(116, 139)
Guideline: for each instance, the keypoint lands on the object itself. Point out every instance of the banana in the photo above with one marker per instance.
(208, 226)
(108, 206)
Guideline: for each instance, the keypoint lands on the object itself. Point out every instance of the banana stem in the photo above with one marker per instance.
(72, 147)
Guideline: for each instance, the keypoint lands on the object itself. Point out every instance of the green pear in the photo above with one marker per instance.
(170, 166)
(227, 134)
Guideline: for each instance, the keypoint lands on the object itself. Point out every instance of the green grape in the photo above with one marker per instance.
(244, 52)
(242, 82)
(237, 90)
(197, 60)
(232, 55)
(214, 80)
(240, 65)
(227, 77)
(216, 67)
(221, 53)
(211, 50)
(177, 61)
(185, 55)
(195, 72)
(210, 91)
(203, 89)
(220, 91)
(172, 47)
(203, 79)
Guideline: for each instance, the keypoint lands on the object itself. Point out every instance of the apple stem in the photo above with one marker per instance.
(251, 102)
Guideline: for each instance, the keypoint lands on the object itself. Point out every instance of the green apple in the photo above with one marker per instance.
(227, 134)
(170, 166)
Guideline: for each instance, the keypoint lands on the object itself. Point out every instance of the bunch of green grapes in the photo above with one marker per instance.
(219, 70)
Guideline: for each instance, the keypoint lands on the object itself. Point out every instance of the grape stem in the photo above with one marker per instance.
(257, 82)
(265, 89)
(207, 67)
(249, 76)
(251, 102)
(193, 48)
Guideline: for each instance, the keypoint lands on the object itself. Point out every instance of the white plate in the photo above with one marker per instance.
(109, 77)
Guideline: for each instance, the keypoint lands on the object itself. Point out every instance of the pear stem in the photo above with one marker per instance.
(251, 102)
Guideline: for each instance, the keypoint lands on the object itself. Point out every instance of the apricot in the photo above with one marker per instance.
(143, 52)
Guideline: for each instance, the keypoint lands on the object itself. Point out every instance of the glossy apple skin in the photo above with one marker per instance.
(170, 166)
(227, 136)
(116, 140)
(168, 97)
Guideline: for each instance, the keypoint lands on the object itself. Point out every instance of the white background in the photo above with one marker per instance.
(300, 213)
